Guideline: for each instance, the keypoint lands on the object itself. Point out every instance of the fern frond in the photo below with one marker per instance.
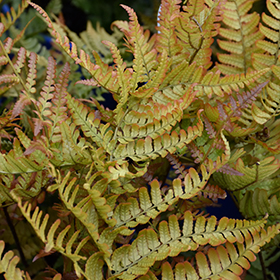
(38, 225)
(60, 93)
(59, 243)
(7, 81)
(151, 203)
(177, 166)
(30, 80)
(167, 37)
(83, 210)
(156, 77)
(252, 175)
(72, 153)
(139, 44)
(212, 83)
(8, 265)
(133, 212)
(33, 153)
(209, 128)
(196, 27)
(257, 203)
(23, 101)
(102, 206)
(10, 17)
(143, 149)
(88, 82)
(213, 192)
(146, 115)
(226, 169)
(213, 153)
(21, 56)
(240, 35)
(123, 75)
(160, 145)
(270, 101)
(224, 262)
(11, 165)
(8, 45)
(43, 103)
(117, 172)
(90, 124)
(101, 72)
(270, 30)
(268, 254)
(94, 266)
(29, 185)
(152, 119)
(236, 130)
(236, 114)
(90, 209)
(27, 83)
(135, 259)
(246, 99)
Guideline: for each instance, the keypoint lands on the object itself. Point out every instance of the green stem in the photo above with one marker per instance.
(12, 228)
(263, 266)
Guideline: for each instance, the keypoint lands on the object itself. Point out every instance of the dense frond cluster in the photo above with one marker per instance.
(129, 185)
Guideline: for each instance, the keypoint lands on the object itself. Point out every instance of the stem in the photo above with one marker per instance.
(12, 228)
(263, 266)
(115, 134)
(18, 76)
(14, 70)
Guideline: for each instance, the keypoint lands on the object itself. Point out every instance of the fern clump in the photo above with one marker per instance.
(119, 193)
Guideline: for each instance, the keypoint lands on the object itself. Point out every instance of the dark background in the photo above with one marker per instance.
(77, 12)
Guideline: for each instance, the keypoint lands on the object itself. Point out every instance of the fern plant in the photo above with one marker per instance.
(119, 193)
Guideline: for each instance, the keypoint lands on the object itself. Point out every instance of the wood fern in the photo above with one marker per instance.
(121, 193)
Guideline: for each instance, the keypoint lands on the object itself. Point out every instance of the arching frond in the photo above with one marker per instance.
(101, 72)
(135, 259)
(53, 239)
(224, 262)
(151, 203)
